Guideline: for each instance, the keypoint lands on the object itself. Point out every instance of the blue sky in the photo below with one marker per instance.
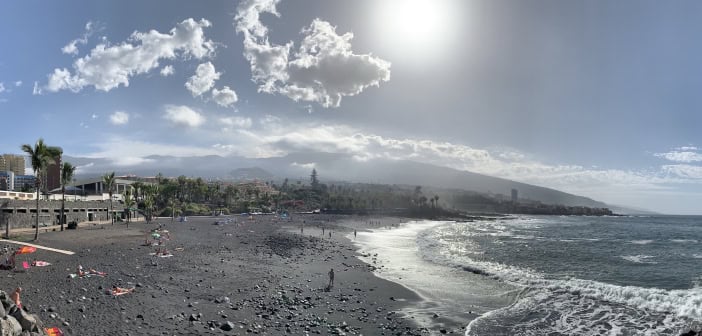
(598, 98)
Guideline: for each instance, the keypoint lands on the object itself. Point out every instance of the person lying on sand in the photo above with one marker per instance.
(91, 271)
(120, 290)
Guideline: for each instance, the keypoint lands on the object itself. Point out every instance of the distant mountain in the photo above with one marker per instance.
(332, 167)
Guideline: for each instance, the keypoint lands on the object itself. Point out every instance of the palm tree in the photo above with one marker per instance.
(67, 171)
(109, 181)
(42, 156)
(128, 202)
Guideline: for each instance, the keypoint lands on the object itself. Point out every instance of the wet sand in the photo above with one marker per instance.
(256, 276)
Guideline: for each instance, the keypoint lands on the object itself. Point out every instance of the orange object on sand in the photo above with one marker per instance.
(53, 331)
(26, 249)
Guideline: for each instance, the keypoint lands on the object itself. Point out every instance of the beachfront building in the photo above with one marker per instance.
(53, 175)
(7, 180)
(25, 182)
(93, 189)
(13, 163)
(22, 212)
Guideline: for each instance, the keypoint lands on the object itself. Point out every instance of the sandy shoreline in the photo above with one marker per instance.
(259, 275)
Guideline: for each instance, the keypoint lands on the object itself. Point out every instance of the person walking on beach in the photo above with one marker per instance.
(331, 278)
(354, 233)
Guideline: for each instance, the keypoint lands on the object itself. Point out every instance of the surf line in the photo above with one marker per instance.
(37, 246)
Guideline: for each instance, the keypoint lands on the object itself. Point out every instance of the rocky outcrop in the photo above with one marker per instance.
(15, 321)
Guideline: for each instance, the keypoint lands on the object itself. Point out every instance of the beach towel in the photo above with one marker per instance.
(26, 249)
(53, 331)
(40, 263)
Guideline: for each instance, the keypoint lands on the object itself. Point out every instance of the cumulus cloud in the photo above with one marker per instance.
(183, 116)
(2, 87)
(108, 66)
(72, 47)
(167, 71)
(119, 118)
(18, 83)
(239, 122)
(323, 69)
(225, 97)
(203, 80)
(685, 154)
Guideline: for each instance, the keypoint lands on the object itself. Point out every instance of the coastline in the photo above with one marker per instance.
(252, 276)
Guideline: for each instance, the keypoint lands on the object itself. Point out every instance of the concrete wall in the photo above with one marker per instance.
(22, 214)
(16, 195)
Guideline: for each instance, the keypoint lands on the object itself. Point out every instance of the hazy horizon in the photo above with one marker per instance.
(594, 98)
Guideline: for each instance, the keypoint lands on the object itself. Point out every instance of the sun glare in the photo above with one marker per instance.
(417, 26)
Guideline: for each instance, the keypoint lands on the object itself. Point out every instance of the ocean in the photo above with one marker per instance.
(548, 275)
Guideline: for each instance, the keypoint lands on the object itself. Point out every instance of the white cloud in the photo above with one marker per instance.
(684, 171)
(183, 116)
(94, 116)
(2, 87)
(119, 118)
(72, 47)
(324, 69)
(124, 151)
(239, 122)
(167, 71)
(681, 156)
(305, 166)
(225, 97)
(203, 80)
(36, 90)
(686, 148)
(108, 66)
(18, 83)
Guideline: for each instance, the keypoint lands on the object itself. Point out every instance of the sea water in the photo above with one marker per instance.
(548, 275)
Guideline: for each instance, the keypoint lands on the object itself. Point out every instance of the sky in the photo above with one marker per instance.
(597, 98)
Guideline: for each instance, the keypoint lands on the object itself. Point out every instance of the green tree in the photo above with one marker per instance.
(67, 171)
(41, 157)
(314, 182)
(129, 203)
(109, 181)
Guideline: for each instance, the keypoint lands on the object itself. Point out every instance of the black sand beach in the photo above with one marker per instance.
(255, 276)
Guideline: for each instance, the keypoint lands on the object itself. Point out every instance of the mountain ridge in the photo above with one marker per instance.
(333, 166)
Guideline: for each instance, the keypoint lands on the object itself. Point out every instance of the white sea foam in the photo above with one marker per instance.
(639, 259)
(641, 242)
(563, 306)
(682, 241)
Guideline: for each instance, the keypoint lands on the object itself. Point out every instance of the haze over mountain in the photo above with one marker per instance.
(331, 167)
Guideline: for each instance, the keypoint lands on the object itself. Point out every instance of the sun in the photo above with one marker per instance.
(420, 27)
